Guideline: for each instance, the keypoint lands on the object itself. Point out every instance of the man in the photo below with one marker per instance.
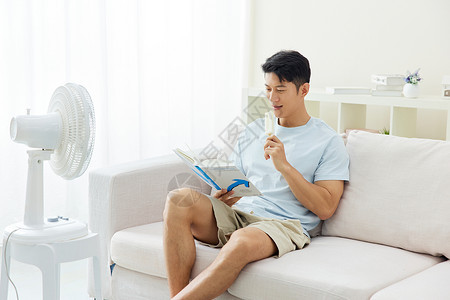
(300, 171)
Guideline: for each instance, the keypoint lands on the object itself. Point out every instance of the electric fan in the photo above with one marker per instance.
(64, 136)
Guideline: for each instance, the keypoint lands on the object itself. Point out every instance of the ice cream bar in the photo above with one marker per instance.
(269, 119)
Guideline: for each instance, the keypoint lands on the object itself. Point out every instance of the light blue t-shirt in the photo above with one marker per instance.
(314, 149)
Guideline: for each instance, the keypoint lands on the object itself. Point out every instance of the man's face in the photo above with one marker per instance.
(283, 96)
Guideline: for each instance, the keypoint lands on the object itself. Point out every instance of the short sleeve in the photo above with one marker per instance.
(334, 163)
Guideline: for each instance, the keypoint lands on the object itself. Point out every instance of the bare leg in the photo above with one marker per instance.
(187, 214)
(245, 245)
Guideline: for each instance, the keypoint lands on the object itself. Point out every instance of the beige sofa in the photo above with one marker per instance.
(389, 239)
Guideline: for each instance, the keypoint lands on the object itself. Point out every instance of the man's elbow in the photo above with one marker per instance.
(325, 216)
(327, 212)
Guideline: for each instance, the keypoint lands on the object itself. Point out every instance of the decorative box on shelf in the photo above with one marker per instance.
(446, 87)
(388, 79)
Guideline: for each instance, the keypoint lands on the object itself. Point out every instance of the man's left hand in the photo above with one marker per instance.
(225, 196)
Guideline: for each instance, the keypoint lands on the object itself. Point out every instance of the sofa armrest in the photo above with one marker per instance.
(128, 195)
(131, 194)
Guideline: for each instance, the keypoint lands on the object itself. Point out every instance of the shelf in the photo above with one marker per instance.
(402, 116)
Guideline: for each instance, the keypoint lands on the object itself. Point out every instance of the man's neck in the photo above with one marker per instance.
(299, 119)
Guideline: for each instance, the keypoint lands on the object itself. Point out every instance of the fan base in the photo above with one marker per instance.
(49, 232)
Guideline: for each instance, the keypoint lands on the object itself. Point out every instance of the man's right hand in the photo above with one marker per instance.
(226, 198)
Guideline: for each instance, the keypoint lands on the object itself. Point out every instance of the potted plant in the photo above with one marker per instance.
(411, 88)
(384, 131)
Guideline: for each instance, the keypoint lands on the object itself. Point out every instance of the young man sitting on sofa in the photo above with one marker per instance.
(300, 171)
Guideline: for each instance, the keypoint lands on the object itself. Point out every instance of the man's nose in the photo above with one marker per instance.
(273, 96)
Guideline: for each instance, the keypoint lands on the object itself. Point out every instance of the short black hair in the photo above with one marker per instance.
(288, 65)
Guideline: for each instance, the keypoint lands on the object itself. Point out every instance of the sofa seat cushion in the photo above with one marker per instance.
(429, 284)
(140, 249)
(330, 267)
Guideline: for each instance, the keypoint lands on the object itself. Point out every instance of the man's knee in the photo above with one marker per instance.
(239, 245)
(180, 201)
(184, 197)
(250, 244)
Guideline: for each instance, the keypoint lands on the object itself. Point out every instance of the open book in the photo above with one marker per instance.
(219, 174)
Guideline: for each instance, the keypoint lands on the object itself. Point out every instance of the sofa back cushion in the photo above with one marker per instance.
(398, 194)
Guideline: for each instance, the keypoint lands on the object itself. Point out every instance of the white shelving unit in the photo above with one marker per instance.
(425, 117)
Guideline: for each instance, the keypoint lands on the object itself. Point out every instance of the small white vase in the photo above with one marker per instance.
(411, 90)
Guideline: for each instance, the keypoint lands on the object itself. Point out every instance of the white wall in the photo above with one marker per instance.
(347, 41)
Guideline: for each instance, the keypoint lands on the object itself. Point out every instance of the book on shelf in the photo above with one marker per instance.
(348, 90)
(219, 174)
(387, 93)
(388, 79)
(380, 87)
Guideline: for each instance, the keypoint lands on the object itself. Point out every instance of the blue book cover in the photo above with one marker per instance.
(219, 174)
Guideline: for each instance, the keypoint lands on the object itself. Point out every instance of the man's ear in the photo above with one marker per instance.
(304, 89)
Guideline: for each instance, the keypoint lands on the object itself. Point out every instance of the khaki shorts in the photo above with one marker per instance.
(287, 234)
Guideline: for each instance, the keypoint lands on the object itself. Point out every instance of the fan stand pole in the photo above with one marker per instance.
(34, 203)
(34, 229)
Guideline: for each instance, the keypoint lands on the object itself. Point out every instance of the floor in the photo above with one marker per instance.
(27, 279)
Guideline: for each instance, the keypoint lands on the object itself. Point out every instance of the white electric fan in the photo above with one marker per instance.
(64, 136)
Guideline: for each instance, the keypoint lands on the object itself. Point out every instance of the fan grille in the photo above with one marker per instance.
(71, 158)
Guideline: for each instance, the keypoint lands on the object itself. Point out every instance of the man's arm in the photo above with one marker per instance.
(321, 197)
